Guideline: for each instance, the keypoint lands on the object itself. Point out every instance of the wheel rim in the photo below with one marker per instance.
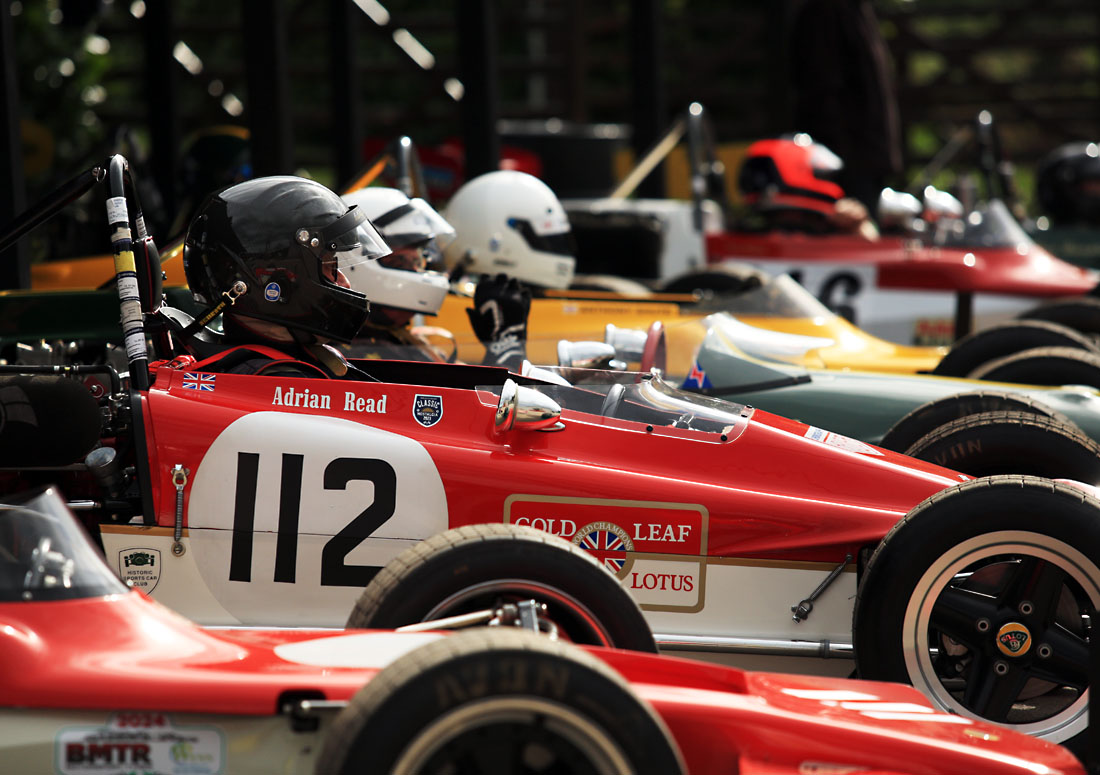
(998, 628)
(572, 617)
(512, 734)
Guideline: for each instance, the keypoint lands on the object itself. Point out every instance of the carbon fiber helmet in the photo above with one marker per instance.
(279, 236)
(790, 172)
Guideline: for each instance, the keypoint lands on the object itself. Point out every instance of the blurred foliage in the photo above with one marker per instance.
(81, 64)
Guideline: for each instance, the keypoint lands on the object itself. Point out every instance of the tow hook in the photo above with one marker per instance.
(179, 479)
(803, 609)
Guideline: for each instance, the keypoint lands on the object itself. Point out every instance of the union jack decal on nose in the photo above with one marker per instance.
(196, 381)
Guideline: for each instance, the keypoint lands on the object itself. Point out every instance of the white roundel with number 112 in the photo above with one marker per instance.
(289, 516)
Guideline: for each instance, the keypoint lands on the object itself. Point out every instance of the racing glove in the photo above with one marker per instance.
(499, 319)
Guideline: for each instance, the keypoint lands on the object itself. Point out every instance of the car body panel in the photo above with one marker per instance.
(116, 682)
(698, 513)
(863, 405)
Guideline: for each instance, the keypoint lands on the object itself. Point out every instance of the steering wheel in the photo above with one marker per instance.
(612, 400)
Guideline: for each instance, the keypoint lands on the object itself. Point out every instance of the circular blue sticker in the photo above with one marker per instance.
(272, 292)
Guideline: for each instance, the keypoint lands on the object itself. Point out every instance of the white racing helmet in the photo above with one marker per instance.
(511, 222)
(415, 233)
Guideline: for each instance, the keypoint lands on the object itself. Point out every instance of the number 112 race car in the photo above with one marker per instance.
(98, 678)
(274, 500)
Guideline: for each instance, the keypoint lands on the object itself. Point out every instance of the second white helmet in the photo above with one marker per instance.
(415, 233)
(511, 222)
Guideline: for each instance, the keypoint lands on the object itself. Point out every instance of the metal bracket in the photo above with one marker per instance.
(803, 610)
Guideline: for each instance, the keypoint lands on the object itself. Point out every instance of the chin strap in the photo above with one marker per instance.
(228, 299)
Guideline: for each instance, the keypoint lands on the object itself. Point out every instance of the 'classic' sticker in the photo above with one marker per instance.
(427, 410)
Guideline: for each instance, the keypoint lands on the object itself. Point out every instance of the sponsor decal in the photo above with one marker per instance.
(606, 542)
(934, 331)
(840, 442)
(1013, 639)
(658, 550)
(142, 743)
(196, 381)
(272, 292)
(141, 567)
(427, 410)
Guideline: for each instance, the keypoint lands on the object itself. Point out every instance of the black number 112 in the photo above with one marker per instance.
(338, 473)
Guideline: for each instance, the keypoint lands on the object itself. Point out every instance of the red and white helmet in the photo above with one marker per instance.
(415, 233)
(790, 172)
(511, 222)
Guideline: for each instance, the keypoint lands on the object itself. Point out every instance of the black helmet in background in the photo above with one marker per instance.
(280, 236)
(1068, 184)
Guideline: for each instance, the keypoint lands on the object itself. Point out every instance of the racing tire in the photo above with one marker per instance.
(932, 415)
(1081, 313)
(733, 278)
(477, 567)
(981, 347)
(1012, 443)
(980, 597)
(610, 284)
(1044, 366)
(465, 704)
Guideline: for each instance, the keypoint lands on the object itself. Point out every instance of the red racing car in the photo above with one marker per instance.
(101, 679)
(267, 500)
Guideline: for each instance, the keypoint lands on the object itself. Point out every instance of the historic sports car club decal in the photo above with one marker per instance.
(655, 549)
(140, 568)
(427, 410)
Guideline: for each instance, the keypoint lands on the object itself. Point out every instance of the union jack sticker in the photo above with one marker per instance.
(607, 542)
(197, 381)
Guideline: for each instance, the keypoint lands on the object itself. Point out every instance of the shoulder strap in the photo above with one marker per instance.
(234, 356)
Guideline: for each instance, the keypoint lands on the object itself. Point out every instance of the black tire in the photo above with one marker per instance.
(1044, 366)
(610, 284)
(1081, 313)
(479, 566)
(1012, 443)
(981, 347)
(927, 417)
(980, 597)
(729, 278)
(458, 705)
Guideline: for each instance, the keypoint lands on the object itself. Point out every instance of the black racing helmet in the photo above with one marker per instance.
(280, 236)
(1067, 183)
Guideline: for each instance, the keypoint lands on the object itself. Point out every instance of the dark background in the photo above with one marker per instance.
(316, 79)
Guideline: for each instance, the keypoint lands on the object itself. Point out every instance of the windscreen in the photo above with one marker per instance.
(45, 554)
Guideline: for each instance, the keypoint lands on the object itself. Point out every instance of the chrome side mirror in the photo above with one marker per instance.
(588, 355)
(940, 204)
(629, 343)
(523, 409)
(897, 208)
(528, 369)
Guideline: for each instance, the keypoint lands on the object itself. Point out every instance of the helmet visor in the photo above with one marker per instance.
(412, 223)
(560, 243)
(366, 245)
